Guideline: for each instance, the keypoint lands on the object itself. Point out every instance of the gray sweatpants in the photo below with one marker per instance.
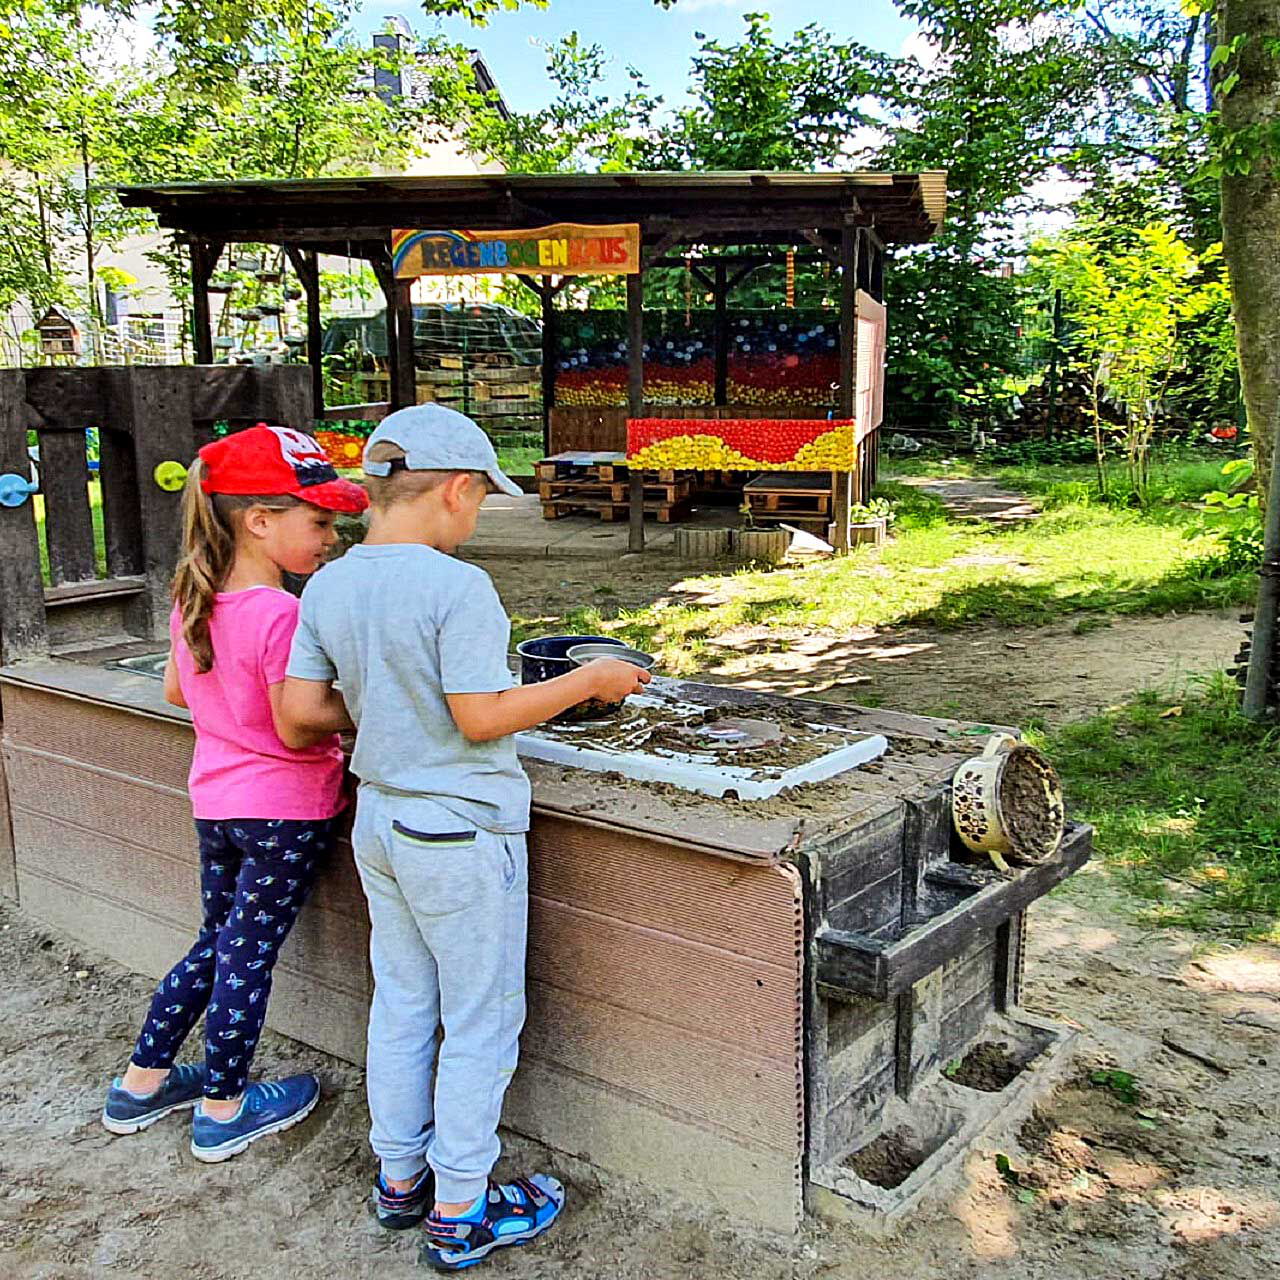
(448, 906)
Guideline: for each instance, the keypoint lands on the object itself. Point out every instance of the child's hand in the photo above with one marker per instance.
(612, 680)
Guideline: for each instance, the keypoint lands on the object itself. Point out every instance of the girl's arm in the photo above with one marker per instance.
(172, 689)
(306, 712)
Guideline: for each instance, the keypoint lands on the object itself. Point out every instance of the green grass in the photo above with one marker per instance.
(519, 462)
(1079, 558)
(1186, 805)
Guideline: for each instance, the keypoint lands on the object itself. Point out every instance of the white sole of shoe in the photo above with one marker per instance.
(234, 1146)
(136, 1126)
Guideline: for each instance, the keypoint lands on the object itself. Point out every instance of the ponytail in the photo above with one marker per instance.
(208, 554)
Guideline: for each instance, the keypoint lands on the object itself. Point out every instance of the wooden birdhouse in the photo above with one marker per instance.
(59, 335)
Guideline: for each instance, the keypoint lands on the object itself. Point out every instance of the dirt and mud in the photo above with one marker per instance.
(988, 1067)
(998, 675)
(1156, 1158)
(1175, 1176)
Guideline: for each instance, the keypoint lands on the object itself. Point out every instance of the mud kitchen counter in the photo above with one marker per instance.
(749, 1003)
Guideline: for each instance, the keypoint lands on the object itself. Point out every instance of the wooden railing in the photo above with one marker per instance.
(143, 416)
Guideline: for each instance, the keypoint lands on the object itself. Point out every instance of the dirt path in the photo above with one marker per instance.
(975, 498)
(1181, 1184)
(1006, 675)
(1009, 675)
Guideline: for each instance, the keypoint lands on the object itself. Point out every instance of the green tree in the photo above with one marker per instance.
(1129, 304)
(764, 103)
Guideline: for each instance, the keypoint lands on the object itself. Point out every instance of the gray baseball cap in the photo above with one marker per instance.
(438, 439)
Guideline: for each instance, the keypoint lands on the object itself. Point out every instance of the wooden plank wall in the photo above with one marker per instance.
(604, 429)
(862, 1051)
(106, 853)
(8, 862)
(665, 1015)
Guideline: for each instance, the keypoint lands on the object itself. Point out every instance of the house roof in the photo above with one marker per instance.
(357, 215)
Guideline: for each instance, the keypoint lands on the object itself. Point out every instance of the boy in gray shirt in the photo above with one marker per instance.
(418, 642)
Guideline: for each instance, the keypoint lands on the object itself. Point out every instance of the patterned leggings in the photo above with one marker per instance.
(255, 875)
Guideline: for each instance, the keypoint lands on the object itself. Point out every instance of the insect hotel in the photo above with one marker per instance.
(764, 955)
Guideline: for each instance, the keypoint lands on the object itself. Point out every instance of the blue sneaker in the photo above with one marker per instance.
(397, 1210)
(512, 1214)
(265, 1108)
(127, 1112)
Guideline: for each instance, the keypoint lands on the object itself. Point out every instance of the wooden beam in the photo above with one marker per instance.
(204, 257)
(721, 330)
(666, 240)
(307, 266)
(548, 360)
(64, 481)
(635, 402)
(405, 390)
(825, 248)
(845, 482)
(157, 404)
(22, 617)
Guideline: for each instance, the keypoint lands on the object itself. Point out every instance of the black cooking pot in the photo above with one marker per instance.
(548, 657)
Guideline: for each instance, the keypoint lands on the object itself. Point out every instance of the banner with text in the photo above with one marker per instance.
(566, 249)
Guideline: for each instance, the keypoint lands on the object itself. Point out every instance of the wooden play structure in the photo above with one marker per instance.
(719, 227)
(730, 1001)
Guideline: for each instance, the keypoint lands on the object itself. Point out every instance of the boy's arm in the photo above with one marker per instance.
(307, 712)
(481, 717)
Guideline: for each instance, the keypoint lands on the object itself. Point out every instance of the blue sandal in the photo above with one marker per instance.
(398, 1210)
(514, 1213)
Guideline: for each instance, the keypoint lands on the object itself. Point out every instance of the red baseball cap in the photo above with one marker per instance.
(269, 461)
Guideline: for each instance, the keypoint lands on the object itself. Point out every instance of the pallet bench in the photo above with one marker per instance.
(790, 497)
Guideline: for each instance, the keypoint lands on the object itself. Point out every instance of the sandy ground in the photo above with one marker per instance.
(1183, 1184)
(1005, 675)
(1178, 1181)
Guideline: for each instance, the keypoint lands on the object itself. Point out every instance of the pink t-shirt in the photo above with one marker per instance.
(241, 769)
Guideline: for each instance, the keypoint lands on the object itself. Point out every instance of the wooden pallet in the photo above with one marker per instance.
(790, 496)
(611, 512)
(618, 491)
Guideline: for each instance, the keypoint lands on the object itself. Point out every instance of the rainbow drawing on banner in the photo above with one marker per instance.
(562, 249)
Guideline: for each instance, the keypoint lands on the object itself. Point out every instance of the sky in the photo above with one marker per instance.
(658, 42)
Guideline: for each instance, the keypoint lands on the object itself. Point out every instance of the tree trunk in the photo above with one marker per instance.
(1250, 233)
(1251, 219)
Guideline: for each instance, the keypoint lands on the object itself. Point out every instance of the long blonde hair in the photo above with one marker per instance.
(209, 523)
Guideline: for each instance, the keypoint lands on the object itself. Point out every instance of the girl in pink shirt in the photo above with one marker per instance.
(258, 504)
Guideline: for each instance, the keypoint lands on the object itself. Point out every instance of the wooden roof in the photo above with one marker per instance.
(357, 215)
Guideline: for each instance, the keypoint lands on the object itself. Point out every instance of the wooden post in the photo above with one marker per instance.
(307, 265)
(404, 391)
(635, 400)
(64, 481)
(160, 416)
(387, 283)
(204, 257)
(721, 291)
(846, 489)
(22, 621)
(548, 295)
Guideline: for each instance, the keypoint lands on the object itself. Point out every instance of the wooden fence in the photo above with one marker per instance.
(115, 582)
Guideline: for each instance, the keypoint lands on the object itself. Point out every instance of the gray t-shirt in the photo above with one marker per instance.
(399, 627)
